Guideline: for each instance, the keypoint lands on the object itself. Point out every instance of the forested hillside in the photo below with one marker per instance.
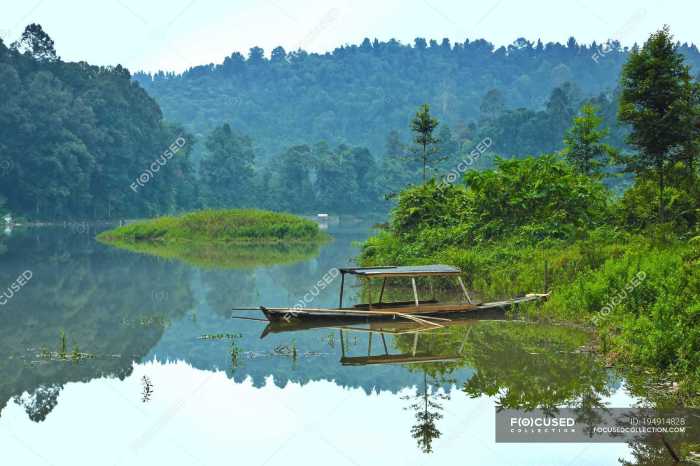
(357, 94)
(75, 137)
(295, 132)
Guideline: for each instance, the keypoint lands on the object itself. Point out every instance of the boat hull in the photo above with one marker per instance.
(275, 314)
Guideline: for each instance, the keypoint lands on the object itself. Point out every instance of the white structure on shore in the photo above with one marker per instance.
(8, 224)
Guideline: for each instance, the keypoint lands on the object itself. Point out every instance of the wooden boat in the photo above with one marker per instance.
(387, 325)
(382, 328)
(422, 311)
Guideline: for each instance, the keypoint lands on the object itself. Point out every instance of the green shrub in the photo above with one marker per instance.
(532, 199)
(639, 205)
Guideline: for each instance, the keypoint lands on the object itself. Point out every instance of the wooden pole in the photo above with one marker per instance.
(342, 343)
(464, 289)
(381, 293)
(669, 448)
(369, 345)
(342, 284)
(415, 290)
(464, 341)
(386, 350)
(415, 344)
(369, 293)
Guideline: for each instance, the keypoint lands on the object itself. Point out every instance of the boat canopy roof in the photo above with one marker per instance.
(403, 271)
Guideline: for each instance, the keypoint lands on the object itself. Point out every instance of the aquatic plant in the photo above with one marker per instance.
(147, 391)
(62, 344)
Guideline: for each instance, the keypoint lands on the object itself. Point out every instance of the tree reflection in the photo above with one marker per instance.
(526, 366)
(224, 256)
(104, 300)
(427, 407)
(519, 365)
(41, 402)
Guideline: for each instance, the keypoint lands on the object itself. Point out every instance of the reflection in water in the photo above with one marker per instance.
(148, 322)
(224, 255)
(147, 389)
(83, 299)
(519, 365)
(426, 404)
(40, 402)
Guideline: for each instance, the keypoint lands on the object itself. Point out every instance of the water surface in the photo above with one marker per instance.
(113, 357)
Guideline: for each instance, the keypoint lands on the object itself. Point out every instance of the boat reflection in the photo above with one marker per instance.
(519, 364)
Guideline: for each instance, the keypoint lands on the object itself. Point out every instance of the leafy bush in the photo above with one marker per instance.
(536, 198)
(531, 198)
(429, 205)
(639, 205)
(646, 305)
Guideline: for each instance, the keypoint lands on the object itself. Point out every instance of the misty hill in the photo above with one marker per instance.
(358, 93)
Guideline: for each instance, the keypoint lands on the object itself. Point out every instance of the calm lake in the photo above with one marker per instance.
(113, 357)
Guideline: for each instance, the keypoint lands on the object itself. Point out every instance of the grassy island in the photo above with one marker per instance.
(242, 226)
(222, 238)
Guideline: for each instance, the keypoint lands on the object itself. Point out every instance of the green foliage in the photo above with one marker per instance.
(583, 146)
(652, 321)
(36, 43)
(423, 125)
(639, 204)
(653, 82)
(74, 137)
(306, 179)
(658, 100)
(363, 92)
(532, 198)
(536, 198)
(655, 323)
(228, 163)
(429, 205)
(237, 226)
(539, 224)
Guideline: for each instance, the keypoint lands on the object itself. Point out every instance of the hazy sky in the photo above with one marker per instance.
(176, 34)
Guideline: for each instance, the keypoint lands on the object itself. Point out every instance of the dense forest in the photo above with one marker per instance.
(357, 94)
(293, 132)
(73, 137)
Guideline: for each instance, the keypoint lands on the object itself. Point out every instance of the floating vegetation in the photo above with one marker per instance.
(156, 321)
(287, 350)
(220, 336)
(235, 351)
(147, 391)
(62, 354)
(74, 356)
(282, 350)
(62, 345)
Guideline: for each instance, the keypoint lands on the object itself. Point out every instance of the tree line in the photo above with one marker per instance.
(361, 92)
(73, 137)
(88, 142)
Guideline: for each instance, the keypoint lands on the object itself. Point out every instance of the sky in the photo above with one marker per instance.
(173, 35)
